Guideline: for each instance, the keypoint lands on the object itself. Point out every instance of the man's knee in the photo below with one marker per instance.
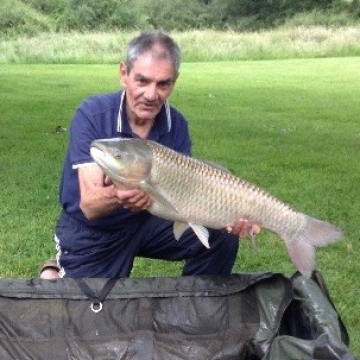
(218, 260)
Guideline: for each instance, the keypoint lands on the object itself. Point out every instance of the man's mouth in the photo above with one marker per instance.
(149, 105)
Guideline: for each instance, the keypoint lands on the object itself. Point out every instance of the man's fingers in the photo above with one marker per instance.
(135, 200)
(107, 181)
(256, 229)
(242, 229)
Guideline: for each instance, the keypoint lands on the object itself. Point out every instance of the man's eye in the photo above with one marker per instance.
(164, 85)
(142, 81)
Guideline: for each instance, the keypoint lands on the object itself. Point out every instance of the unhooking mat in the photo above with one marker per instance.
(245, 316)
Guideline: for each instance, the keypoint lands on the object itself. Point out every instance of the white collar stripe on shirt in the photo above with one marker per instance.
(119, 119)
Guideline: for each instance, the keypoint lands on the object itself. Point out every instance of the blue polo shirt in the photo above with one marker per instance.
(104, 116)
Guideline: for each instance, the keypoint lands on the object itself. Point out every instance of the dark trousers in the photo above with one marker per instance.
(89, 252)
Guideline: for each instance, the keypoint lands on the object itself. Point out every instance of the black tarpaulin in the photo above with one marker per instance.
(246, 316)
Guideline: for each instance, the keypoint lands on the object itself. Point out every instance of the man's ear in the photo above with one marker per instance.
(123, 74)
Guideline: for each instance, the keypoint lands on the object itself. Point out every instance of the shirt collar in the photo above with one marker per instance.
(162, 122)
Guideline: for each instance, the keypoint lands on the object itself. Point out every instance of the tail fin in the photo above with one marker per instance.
(302, 250)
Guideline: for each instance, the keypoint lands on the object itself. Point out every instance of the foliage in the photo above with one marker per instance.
(173, 15)
(33, 16)
(94, 14)
(16, 18)
(265, 13)
(48, 7)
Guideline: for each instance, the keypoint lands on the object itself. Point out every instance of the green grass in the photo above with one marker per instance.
(290, 126)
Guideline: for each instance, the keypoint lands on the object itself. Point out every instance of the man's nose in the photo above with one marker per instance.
(151, 93)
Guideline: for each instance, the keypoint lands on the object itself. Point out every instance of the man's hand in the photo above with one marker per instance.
(133, 200)
(243, 229)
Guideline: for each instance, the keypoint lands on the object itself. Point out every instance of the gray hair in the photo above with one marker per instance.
(147, 41)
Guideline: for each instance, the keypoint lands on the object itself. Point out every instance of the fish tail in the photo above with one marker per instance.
(302, 249)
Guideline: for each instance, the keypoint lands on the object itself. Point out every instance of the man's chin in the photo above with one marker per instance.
(148, 114)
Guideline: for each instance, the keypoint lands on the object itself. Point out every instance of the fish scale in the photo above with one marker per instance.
(196, 194)
(217, 197)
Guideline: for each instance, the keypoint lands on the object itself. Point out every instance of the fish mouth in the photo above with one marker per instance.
(99, 155)
(97, 152)
(107, 164)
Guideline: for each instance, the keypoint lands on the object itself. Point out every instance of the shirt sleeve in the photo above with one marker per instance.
(185, 141)
(181, 141)
(82, 133)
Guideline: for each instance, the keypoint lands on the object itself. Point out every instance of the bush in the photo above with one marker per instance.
(97, 15)
(134, 14)
(18, 18)
(48, 7)
(173, 15)
(33, 16)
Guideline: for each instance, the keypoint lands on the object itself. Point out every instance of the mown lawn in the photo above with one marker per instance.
(290, 126)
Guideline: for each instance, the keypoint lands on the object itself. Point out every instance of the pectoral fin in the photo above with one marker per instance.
(179, 228)
(158, 197)
(201, 232)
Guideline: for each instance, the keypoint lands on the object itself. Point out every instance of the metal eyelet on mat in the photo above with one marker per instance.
(96, 307)
(96, 298)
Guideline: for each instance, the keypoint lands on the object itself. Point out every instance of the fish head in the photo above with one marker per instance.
(125, 161)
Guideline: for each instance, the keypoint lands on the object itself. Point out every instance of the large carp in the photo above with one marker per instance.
(196, 194)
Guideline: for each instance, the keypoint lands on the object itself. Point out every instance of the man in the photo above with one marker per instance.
(103, 228)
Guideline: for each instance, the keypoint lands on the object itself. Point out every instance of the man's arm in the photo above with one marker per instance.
(99, 197)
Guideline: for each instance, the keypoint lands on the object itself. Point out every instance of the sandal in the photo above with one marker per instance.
(49, 270)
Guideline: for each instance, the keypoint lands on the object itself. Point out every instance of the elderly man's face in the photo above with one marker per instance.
(148, 84)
